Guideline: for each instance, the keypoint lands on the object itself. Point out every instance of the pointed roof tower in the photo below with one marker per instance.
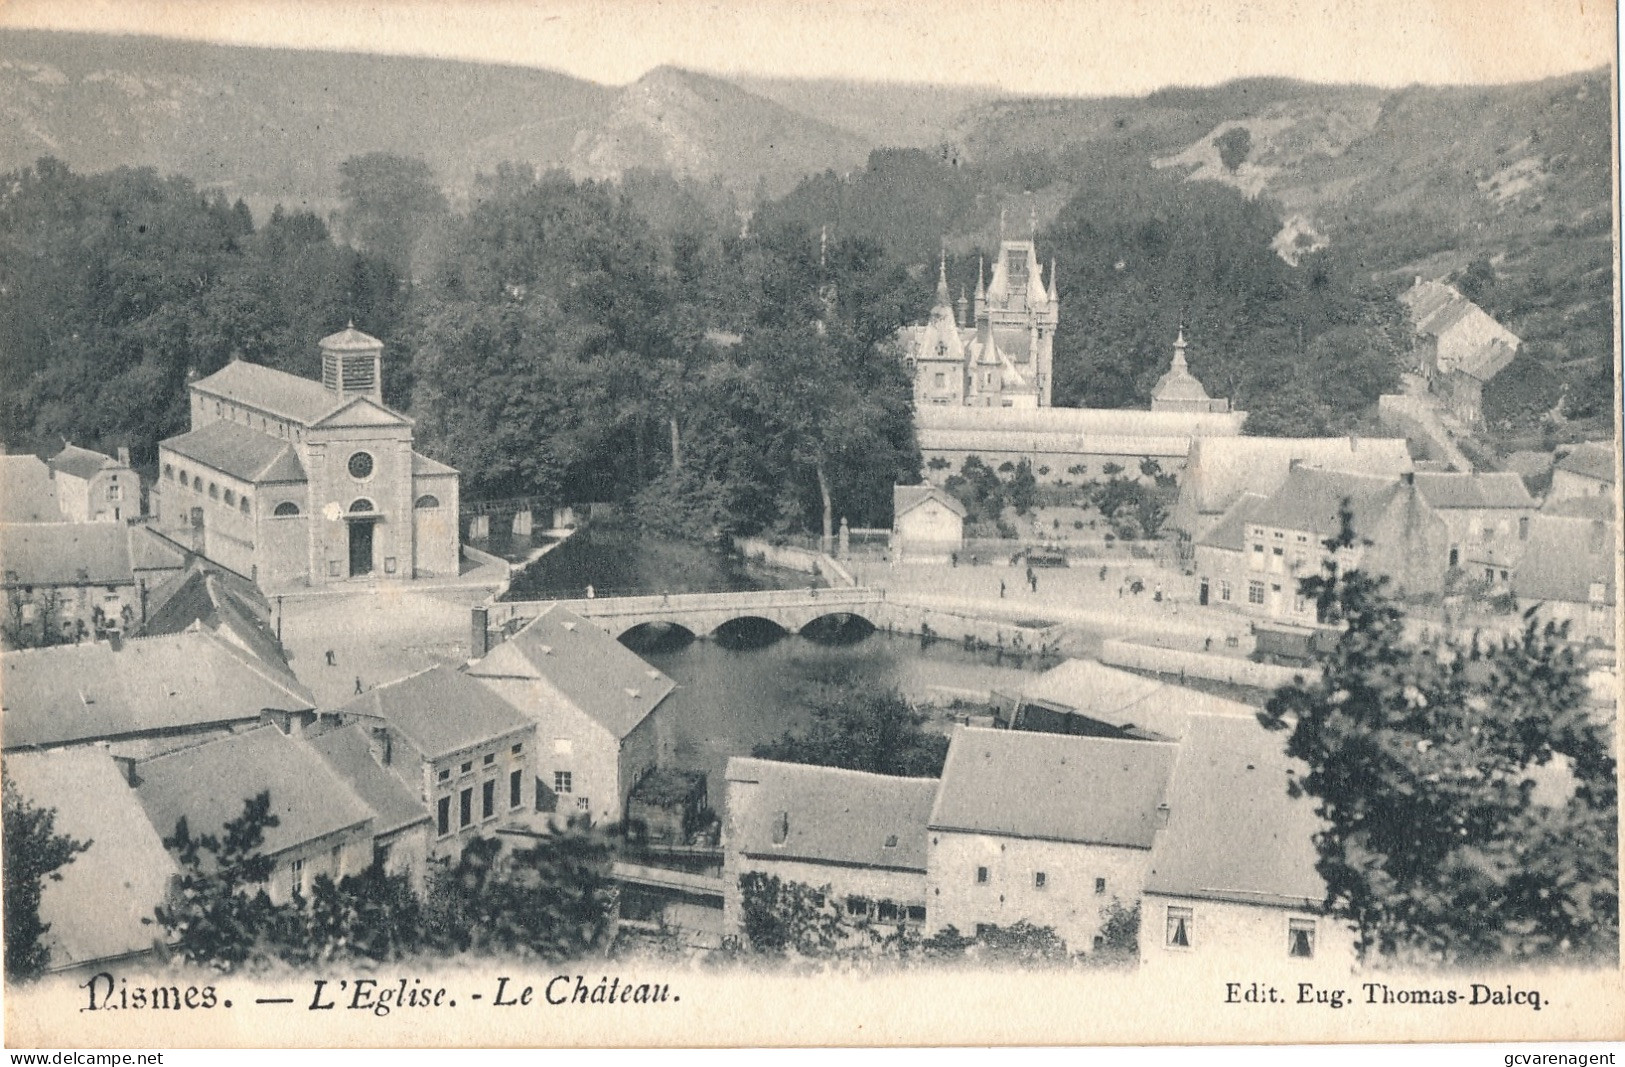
(1178, 390)
(943, 300)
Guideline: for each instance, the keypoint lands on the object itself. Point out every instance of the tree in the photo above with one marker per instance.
(863, 730)
(390, 202)
(1234, 145)
(1424, 757)
(219, 914)
(33, 852)
(554, 900)
(782, 917)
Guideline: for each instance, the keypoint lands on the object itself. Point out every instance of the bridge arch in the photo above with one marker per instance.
(749, 631)
(838, 628)
(659, 635)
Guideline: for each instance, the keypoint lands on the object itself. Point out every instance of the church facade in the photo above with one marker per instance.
(1003, 356)
(293, 482)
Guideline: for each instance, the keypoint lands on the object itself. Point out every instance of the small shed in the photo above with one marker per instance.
(928, 524)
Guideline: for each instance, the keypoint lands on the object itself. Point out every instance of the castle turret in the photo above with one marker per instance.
(353, 364)
(1178, 390)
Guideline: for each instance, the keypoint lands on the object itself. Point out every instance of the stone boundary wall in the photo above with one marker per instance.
(1231, 669)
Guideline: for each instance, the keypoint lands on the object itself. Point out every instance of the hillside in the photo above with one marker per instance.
(892, 115)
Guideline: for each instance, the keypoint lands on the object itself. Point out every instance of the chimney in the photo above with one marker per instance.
(381, 745)
(1294, 463)
(479, 637)
(124, 455)
(115, 640)
(1163, 811)
(1409, 477)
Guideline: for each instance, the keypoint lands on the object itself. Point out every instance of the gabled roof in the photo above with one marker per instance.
(66, 553)
(831, 815)
(1494, 489)
(1311, 499)
(1590, 460)
(905, 498)
(362, 411)
(208, 783)
(348, 751)
(87, 692)
(1564, 557)
(439, 711)
(207, 594)
(1088, 790)
(584, 665)
(284, 395)
(1220, 469)
(152, 551)
(1124, 700)
(245, 454)
(350, 339)
(1470, 340)
(1231, 530)
(423, 466)
(27, 493)
(101, 905)
(1233, 833)
(82, 462)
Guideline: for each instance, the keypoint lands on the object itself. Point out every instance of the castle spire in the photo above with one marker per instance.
(1054, 289)
(1179, 349)
(1032, 223)
(981, 289)
(943, 300)
(963, 303)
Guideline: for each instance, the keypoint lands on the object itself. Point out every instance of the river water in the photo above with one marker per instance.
(733, 695)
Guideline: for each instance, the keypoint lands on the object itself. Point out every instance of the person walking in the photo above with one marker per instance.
(1001, 588)
(331, 662)
(1032, 579)
(358, 689)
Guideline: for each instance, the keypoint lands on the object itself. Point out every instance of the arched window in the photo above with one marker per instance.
(169, 471)
(362, 504)
(214, 491)
(427, 500)
(242, 505)
(285, 509)
(361, 466)
(231, 499)
(197, 484)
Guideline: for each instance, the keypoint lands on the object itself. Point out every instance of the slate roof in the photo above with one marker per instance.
(1220, 469)
(27, 493)
(82, 463)
(906, 498)
(350, 339)
(219, 600)
(97, 907)
(1231, 530)
(152, 551)
(66, 553)
(1563, 557)
(1233, 833)
(1470, 340)
(74, 693)
(1088, 790)
(1590, 460)
(584, 665)
(243, 453)
(1125, 700)
(1081, 422)
(440, 711)
(287, 396)
(1311, 500)
(208, 783)
(832, 815)
(348, 751)
(1494, 489)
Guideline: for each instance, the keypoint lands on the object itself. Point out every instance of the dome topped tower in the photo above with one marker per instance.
(1178, 390)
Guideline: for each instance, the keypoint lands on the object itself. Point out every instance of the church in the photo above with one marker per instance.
(293, 482)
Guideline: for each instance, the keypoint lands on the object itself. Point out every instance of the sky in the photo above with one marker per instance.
(1045, 47)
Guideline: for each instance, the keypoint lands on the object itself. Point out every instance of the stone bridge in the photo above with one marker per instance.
(700, 614)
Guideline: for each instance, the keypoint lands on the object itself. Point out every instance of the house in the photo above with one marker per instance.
(145, 696)
(1459, 346)
(74, 580)
(862, 835)
(27, 490)
(99, 908)
(92, 487)
(465, 751)
(1282, 541)
(1567, 572)
(1587, 470)
(1087, 698)
(1042, 828)
(928, 524)
(323, 827)
(592, 701)
(1232, 879)
(209, 596)
(401, 829)
(1487, 515)
(295, 483)
(1221, 469)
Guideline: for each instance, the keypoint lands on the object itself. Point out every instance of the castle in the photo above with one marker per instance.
(293, 482)
(984, 386)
